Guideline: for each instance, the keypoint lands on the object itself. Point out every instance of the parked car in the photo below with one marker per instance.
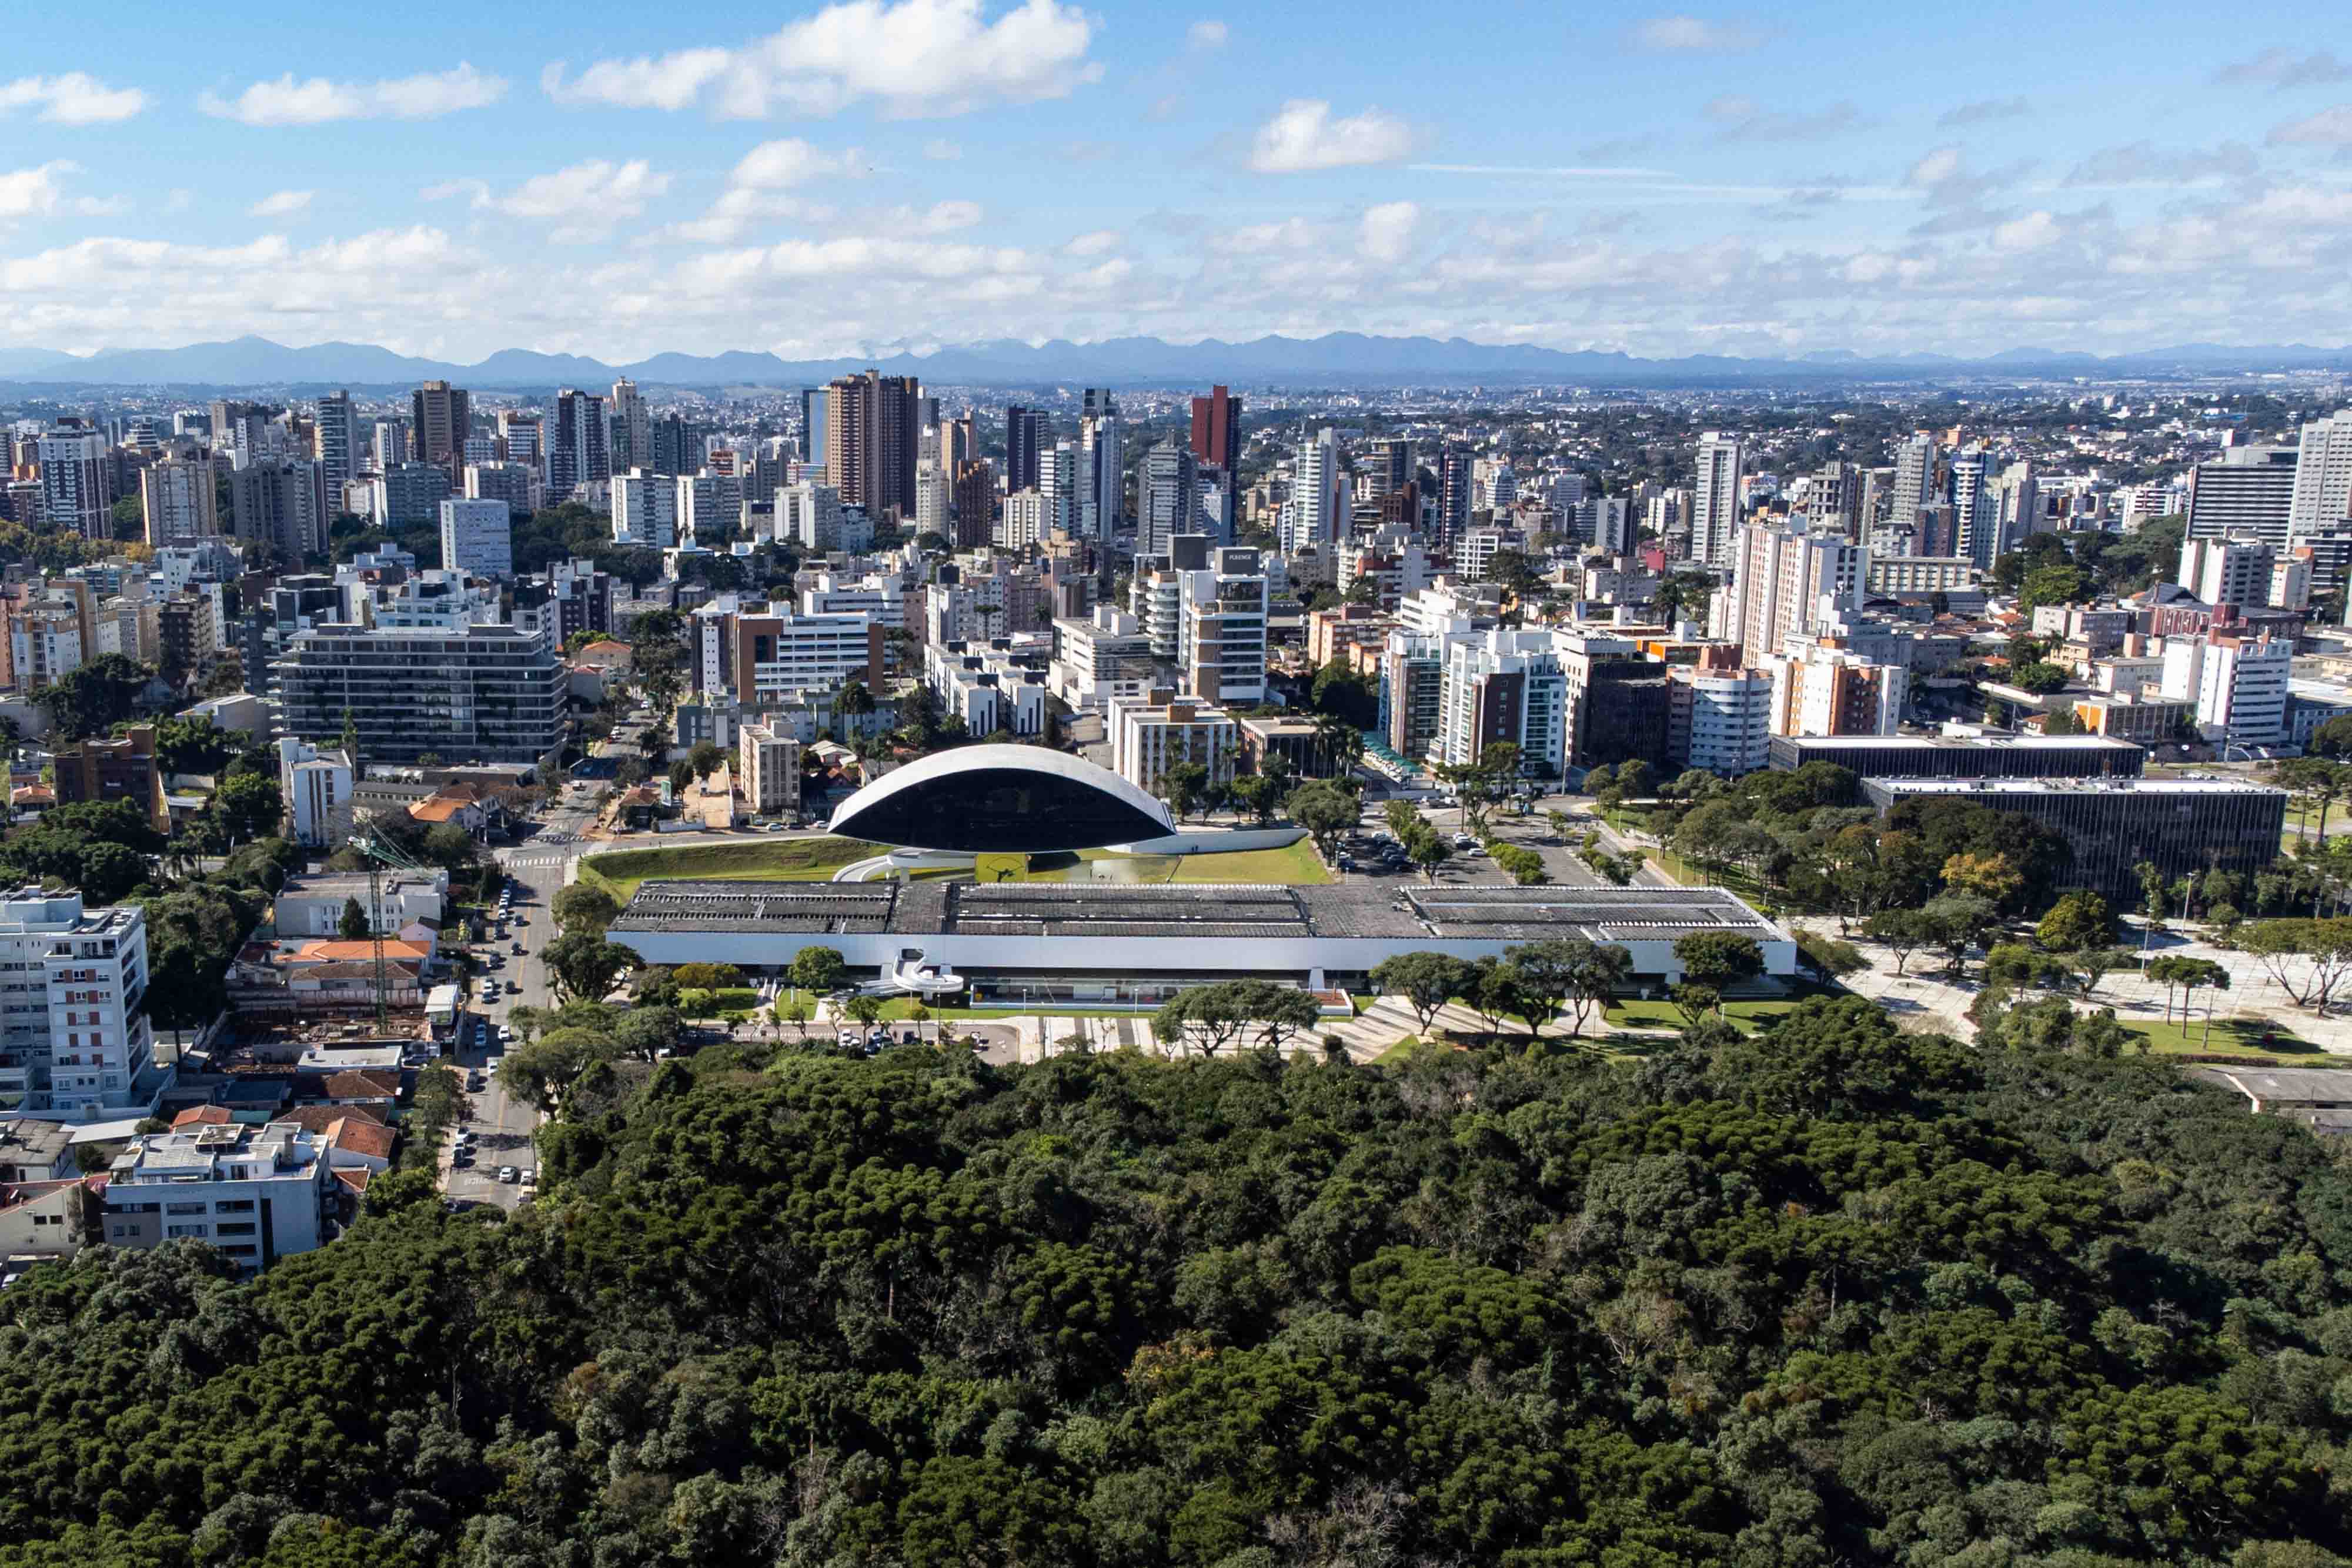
(517, 949)
(509, 1175)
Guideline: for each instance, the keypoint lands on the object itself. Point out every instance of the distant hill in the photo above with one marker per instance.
(1336, 358)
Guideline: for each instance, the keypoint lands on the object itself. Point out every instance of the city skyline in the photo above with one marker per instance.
(863, 178)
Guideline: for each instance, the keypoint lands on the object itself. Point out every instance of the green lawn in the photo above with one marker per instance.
(2229, 1037)
(754, 860)
(1746, 1016)
(1295, 865)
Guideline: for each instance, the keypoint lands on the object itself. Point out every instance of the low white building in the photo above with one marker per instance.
(257, 1194)
(313, 906)
(992, 686)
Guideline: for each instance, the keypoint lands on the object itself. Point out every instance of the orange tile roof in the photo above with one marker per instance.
(208, 1116)
(358, 1083)
(437, 810)
(361, 1137)
(328, 950)
(355, 1177)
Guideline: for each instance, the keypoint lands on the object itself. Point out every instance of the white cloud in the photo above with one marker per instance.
(1305, 137)
(915, 58)
(1983, 111)
(1097, 242)
(1745, 119)
(73, 98)
(1205, 35)
(940, 150)
(2281, 66)
(1387, 230)
(1286, 234)
(281, 205)
(29, 193)
(782, 164)
(2143, 163)
(585, 200)
(1694, 34)
(755, 190)
(2031, 232)
(1936, 168)
(2329, 127)
(314, 102)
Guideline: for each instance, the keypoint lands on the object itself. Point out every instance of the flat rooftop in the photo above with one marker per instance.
(1960, 742)
(1243, 911)
(2071, 787)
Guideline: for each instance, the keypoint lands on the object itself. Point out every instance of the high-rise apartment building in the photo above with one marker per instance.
(73, 476)
(388, 443)
(315, 784)
(522, 437)
(477, 537)
(1790, 580)
(873, 426)
(407, 495)
(2247, 490)
(1025, 439)
(1503, 686)
(974, 500)
(181, 500)
(1167, 496)
(1915, 479)
(2228, 571)
(441, 417)
(1454, 466)
(75, 1040)
(275, 506)
(814, 404)
(1715, 501)
(1102, 461)
(1316, 506)
(517, 484)
(767, 769)
(577, 453)
(492, 692)
(1222, 625)
(644, 509)
(1217, 428)
(2323, 477)
(631, 445)
(1834, 691)
(335, 446)
(1058, 488)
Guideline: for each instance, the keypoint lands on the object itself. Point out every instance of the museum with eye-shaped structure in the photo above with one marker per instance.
(1001, 800)
(917, 920)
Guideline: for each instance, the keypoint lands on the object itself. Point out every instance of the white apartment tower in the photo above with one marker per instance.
(478, 537)
(1310, 515)
(1715, 501)
(73, 988)
(1789, 581)
(644, 509)
(2323, 477)
(335, 445)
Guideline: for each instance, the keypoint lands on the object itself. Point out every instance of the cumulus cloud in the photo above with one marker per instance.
(757, 189)
(1304, 137)
(2031, 232)
(1206, 34)
(583, 201)
(1743, 119)
(427, 96)
(1097, 242)
(2143, 163)
(2279, 66)
(1694, 34)
(1386, 232)
(1983, 111)
(915, 57)
(1284, 234)
(29, 193)
(73, 98)
(2329, 127)
(282, 203)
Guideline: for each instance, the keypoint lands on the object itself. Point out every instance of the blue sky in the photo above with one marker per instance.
(618, 180)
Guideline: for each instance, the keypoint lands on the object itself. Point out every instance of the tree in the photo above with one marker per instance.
(1259, 795)
(1183, 786)
(864, 1010)
(705, 759)
(247, 805)
(2040, 677)
(1962, 921)
(1428, 849)
(647, 1032)
(585, 966)
(93, 698)
(2078, 921)
(2089, 966)
(353, 924)
(820, 969)
(1985, 876)
(1570, 972)
(1210, 1017)
(1829, 957)
(2307, 958)
(1903, 932)
(2333, 738)
(1325, 810)
(1427, 981)
(1523, 866)
(584, 906)
(1719, 959)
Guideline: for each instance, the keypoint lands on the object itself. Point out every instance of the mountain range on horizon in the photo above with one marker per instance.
(1335, 358)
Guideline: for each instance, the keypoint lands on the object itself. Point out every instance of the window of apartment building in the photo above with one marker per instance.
(197, 1231)
(183, 1208)
(242, 1227)
(233, 1205)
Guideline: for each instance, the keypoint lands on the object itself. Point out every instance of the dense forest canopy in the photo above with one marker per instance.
(1832, 1295)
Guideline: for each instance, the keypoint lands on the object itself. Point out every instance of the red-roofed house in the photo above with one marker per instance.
(353, 1142)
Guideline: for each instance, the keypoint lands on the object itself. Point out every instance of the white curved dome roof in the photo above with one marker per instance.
(1008, 798)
